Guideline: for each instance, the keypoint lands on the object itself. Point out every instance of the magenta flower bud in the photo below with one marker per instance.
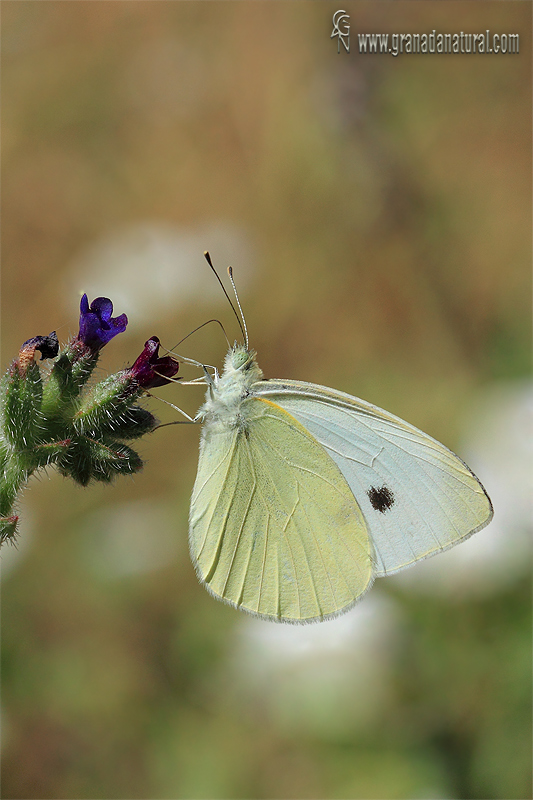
(97, 326)
(149, 370)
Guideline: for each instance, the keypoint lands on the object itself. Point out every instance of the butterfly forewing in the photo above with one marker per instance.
(418, 497)
(274, 526)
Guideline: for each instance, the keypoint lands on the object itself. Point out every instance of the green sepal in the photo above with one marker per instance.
(15, 473)
(88, 459)
(135, 422)
(22, 391)
(109, 408)
(57, 387)
(71, 371)
(8, 529)
(99, 408)
(48, 453)
(114, 458)
(82, 369)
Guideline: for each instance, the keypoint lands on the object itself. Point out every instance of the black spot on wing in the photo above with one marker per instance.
(381, 499)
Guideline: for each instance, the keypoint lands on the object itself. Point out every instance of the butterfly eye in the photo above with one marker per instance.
(240, 357)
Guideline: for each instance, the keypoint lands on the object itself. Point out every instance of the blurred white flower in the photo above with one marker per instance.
(328, 677)
(152, 268)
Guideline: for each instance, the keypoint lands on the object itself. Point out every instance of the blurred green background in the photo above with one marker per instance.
(377, 213)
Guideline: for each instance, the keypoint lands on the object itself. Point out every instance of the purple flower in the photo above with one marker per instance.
(97, 326)
(149, 370)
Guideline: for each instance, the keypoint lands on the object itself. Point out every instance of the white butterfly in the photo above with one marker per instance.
(304, 495)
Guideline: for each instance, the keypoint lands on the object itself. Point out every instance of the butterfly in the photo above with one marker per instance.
(304, 494)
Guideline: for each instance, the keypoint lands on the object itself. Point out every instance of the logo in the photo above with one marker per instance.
(341, 29)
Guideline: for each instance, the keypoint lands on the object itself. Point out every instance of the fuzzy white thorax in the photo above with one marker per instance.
(224, 397)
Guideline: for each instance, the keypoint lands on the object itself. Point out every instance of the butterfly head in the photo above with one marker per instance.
(241, 365)
(242, 360)
(241, 357)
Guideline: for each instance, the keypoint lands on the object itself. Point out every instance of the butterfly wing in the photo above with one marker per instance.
(418, 497)
(274, 527)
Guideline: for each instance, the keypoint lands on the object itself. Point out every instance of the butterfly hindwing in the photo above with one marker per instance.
(418, 497)
(274, 527)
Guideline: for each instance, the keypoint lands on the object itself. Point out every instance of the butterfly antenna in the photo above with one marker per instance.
(209, 321)
(243, 330)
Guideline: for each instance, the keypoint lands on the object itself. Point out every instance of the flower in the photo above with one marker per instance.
(48, 346)
(97, 326)
(149, 370)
